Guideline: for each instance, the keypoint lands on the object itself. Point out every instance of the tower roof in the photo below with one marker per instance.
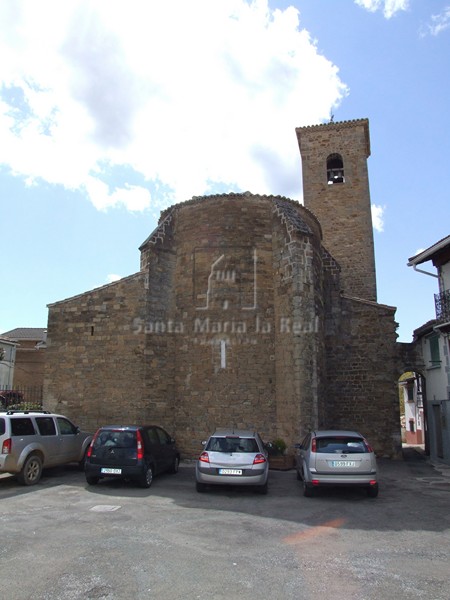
(336, 126)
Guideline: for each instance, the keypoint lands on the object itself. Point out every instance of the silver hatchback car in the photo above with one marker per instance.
(336, 458)
(233, 457)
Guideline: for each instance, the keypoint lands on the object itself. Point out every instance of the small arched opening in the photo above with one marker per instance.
(412, 398)
(335, 169)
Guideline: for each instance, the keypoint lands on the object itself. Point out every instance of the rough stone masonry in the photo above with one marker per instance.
(248, 311)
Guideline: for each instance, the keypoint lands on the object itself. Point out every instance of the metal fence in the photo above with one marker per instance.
(442, 305)
(21, 397)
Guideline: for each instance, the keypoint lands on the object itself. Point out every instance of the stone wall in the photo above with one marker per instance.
(96, 355)
(29, 365)
(362, 391)
(297, 256)
(236, 319)
(241, 267)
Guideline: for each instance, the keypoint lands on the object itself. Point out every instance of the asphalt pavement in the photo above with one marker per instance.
(62, 539)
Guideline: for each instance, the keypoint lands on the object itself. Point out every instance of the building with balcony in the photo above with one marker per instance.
(433, 339)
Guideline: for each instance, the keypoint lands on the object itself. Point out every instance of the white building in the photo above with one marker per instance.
(433, 339)
(7, 362)
(411, 387)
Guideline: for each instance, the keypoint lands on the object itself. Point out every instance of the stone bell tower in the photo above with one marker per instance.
(336, 190)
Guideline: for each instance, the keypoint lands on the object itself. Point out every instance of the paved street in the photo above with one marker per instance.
(64, 540)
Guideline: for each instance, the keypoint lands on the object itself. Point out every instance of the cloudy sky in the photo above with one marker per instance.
(110, 111)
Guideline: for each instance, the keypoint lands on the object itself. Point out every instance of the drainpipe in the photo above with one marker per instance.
(425, 272)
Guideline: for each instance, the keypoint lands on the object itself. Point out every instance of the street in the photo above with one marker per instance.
(62, 539)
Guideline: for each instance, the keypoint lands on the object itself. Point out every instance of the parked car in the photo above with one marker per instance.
(336, 458)
(33, 440)
(131, 452)
(233, 457)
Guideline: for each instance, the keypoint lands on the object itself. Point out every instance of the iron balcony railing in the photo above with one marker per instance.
(442, 304)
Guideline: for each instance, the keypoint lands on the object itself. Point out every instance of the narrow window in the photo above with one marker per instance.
(410, 391)
(335, 169)
(223, 354)
(435, 357)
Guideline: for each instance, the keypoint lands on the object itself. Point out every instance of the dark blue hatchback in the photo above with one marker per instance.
(131, 452)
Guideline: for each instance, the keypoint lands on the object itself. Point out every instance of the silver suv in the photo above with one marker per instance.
(33, 440)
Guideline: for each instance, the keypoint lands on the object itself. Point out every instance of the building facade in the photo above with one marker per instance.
(247, 310)
(433, 342)
(27, 373)
(411, 388)
(7, 362)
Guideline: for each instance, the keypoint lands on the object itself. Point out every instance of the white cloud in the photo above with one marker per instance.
(389, 7)
(113, 277)
(192, 97)
(439, 23)
(135, 198)
(378, 217)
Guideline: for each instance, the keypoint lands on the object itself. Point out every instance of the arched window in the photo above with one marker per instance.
(335, 169)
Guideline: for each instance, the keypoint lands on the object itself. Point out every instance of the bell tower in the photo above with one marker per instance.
(336, 189)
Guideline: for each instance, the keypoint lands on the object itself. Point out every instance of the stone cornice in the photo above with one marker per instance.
(159, 233)
(282, 205)
(336, 126)
(368, 302)
(97, 289)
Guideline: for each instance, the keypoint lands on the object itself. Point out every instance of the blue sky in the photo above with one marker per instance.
(111, 111)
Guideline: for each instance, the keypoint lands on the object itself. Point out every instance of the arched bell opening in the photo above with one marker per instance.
(335, 169)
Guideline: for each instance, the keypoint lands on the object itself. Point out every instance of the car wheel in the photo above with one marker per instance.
(31, 471)
(200, 487)
(147, 478)
(175, 465)
(91, 480)
(308, 491)
(372, 491)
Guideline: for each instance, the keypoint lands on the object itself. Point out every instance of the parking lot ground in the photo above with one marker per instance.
(62, 539)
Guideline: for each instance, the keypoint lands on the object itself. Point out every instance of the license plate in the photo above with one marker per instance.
(111, 471)
(343, 463)
(230, 471)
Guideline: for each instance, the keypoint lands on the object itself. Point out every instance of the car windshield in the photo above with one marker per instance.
(232, 444)
(117, 438)
(337, 444)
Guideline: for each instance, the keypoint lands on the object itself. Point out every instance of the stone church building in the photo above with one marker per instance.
(248, 310)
